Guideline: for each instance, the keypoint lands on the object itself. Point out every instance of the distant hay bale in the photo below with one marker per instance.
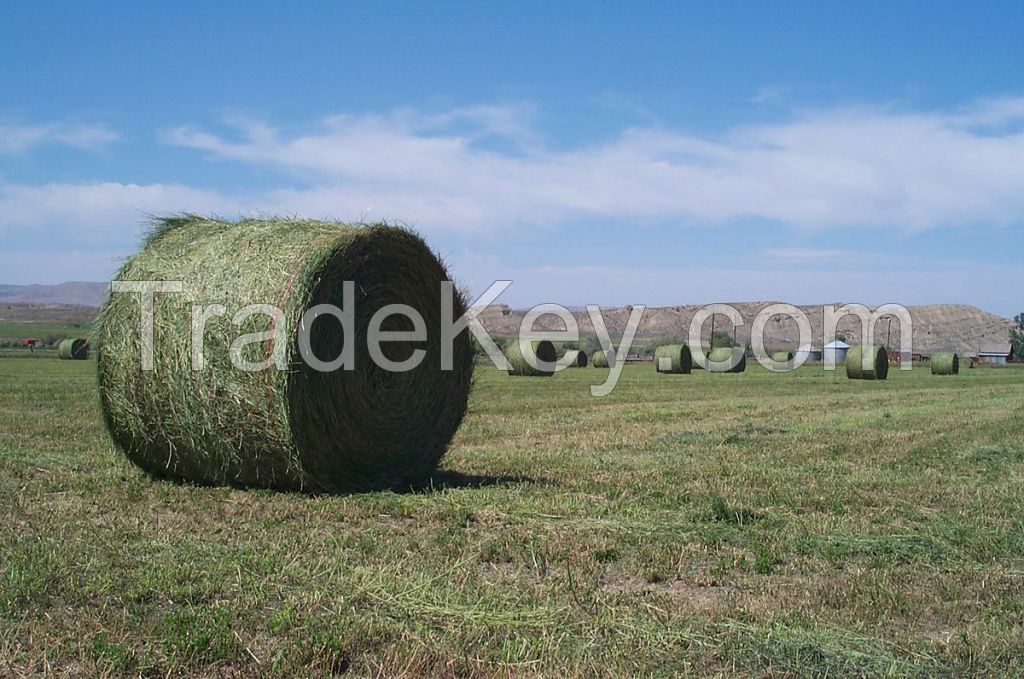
(722, 354)
(581, 356)
(520, 367)
(782, 356)
(945, 363)
(73, 349)
(879, 363)
(673, 358)
(599, 359)
(300, 428)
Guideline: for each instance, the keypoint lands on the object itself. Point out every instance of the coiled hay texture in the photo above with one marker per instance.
(73, 349)
(724, 354)
(878, 363)
(300, 428)
(945, 364)
(673, 358)
(543, 350)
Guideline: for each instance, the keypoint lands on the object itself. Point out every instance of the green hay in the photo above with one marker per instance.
(673, 358)
(879, 363)
(299, 428)
(945, 363)
(520, 367)
(721, 354)
(581, 356)
(782, 356)
(599, 360)
(73, 349)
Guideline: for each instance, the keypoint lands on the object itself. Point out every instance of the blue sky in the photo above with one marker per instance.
(669, 154)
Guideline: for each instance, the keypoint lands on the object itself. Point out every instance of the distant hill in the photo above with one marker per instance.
(70, 294)
(937, 327)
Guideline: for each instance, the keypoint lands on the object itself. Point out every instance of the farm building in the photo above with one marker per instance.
(995, 354)
(836, 351)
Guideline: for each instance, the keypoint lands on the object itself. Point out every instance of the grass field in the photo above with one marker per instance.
(758, 524)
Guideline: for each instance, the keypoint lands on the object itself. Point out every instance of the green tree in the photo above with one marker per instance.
(721, 339)
(1017, 337)
(662, 341)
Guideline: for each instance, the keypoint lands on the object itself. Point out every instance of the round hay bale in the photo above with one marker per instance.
(879, 363)
(520, 367)
(300, 428)
(581, 356)
(673, 358)
(722, 354)
(73, 349)
(782, 356)
(599, 359)
(945, 363)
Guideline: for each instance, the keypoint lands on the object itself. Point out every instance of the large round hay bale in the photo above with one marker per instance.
(673, 358)
(782, 356)
(581, 360)
(543, 350)
(945, 363)
(723, 354)
(878, 363)
(354, 428)
(599, 359)
(73, 349)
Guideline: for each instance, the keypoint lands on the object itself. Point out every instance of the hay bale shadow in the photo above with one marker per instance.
(449, 480)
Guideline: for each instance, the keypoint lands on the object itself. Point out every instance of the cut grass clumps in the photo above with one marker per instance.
(673, 358)
(724, 355)
(945, 363)
(73, 349)
(543, 353)
(296, 428)
(877, 363)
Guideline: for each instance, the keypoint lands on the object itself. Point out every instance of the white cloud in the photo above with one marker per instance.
(19, 138)
(101, 211)
(49, 267)
(822, 169)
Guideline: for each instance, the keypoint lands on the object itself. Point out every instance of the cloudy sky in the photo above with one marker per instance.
(665, 155)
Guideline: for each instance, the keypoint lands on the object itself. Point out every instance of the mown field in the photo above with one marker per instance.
(756, 524)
